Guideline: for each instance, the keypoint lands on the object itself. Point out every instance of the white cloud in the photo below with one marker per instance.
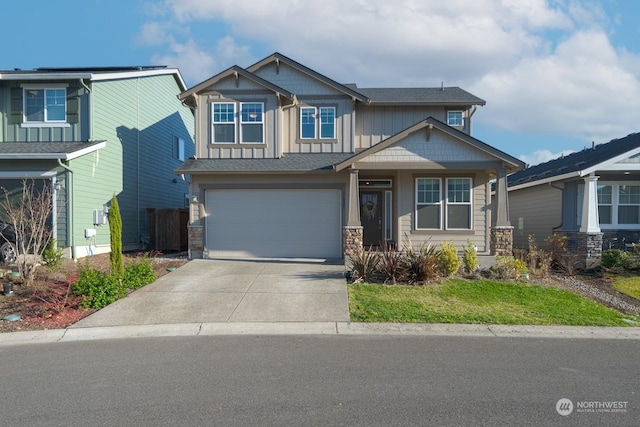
(541, 156)
(543, 66)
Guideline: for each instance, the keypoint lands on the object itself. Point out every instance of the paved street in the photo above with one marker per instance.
(319, 380)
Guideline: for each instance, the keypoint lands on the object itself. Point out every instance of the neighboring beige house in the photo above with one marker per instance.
(290, 163)
(592, 197)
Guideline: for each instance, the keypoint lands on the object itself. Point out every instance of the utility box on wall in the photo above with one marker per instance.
(99, 217)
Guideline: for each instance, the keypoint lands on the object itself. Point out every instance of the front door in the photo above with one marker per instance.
(371, 205)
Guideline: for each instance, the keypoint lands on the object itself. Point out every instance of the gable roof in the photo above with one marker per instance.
(577, 164)
(237, 72)
(48, 150)
(92, 73)
(430, 123)
(278, 57)
(419, 95)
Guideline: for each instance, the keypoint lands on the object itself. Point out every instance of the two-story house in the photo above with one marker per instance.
(290, 163)
(91, 133)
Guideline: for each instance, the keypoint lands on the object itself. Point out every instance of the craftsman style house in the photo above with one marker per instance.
(290, 163)
(591, 196)
(90, 133)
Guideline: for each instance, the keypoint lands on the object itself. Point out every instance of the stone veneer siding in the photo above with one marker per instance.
(502, 241)
(589, 249)
(196, 241)
(352, 240)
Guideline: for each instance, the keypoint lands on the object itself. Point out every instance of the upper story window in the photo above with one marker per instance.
(247, 126)
(454, 118)
(178, 148)
(44, 105)
(224, 123)
(252, 122)
(317, 123)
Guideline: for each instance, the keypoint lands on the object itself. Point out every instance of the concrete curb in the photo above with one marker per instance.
(316, 328)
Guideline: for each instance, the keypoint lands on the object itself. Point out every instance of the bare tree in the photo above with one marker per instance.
(29, 212)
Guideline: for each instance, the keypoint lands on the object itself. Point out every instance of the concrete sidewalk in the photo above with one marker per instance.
(206, 291)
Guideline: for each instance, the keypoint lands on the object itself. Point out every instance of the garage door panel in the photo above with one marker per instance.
(274, 223)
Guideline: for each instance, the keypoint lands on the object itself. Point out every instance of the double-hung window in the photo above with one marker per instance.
(45, 105)
(628, 204)
(252, 122)
(246, 126)
(317, 123)
(224, 122)
(458, 203)
(455, 201)
(618, 204)
(428, 203)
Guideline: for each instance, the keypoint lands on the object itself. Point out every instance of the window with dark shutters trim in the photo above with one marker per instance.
(16, 105)
(73, 104)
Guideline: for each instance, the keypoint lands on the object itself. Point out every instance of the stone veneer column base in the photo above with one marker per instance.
(196, 241)
(589, 249)
(352, 243)
(502, 240)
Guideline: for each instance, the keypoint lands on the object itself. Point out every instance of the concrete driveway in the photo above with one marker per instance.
(204, 291)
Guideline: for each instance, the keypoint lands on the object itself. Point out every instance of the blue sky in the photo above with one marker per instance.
(556, 74)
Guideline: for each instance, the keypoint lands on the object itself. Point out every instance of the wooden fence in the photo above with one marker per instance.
(167, 229)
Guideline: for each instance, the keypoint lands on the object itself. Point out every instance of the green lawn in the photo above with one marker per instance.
(628, 285)
(482, 301)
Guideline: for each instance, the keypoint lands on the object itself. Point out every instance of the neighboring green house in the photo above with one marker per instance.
(91, 133)
(290, 163)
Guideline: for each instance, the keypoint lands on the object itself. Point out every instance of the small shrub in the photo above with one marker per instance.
(52, 255)
(448, 260)
(363, 265)
(615, 258)
(98, 288)
(508, 267)
(137, 274)
(421, 265)
(469, 258)
(390, 264)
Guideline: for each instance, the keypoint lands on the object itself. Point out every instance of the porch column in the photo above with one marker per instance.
(590, 235)
(501, 229)
(352, 233)
(195, 229)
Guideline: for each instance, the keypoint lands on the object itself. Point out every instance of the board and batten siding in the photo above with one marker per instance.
(343, 143)
(536, 211)
(138, 118)
(13, 131)
(377, 123)
(294, 81)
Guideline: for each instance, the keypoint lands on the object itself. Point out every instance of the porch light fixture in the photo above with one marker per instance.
(194, 198)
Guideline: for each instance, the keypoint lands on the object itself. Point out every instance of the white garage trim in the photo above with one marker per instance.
(273, 223)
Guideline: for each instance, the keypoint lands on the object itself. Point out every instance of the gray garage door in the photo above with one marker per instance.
(270, 223)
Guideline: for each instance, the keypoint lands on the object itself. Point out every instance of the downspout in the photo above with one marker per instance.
(138, 233)
(279, 144)
(562, 208)
(70, 234)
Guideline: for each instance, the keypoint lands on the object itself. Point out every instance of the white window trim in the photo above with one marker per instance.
(234, 123)
(470, 203)
(319, 122)
(415, 211)
(615, 205)
(241, 122)
(315, 122)
(317, 129)
(45, 123)
(461, 118)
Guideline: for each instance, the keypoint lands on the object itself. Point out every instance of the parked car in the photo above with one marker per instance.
(8, 248)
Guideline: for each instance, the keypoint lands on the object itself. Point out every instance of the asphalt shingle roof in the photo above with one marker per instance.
(576, 162)
(293, 162)
(43, 149)
(420, 95)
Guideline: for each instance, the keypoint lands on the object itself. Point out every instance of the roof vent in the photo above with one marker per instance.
(580, 164)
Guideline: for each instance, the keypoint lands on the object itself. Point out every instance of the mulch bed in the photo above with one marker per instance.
(49, 302)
